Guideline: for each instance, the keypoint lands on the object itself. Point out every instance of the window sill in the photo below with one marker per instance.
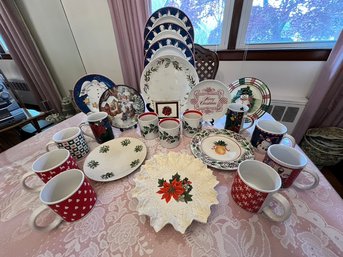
(274, 55)
(5, 57)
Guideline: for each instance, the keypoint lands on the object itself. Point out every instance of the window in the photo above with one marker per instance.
(4, 53)
(253, 29)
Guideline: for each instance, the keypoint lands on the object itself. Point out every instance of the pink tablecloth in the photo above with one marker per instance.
(114, 228)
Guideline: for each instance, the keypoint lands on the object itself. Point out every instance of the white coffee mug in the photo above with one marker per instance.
(191, 122)
(148, 124)
(170, 132)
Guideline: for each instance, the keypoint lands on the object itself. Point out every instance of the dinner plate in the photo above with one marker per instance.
(168, 78)
(169, 14)
(220, 148)
(193, 202)
(123, 105)
(211, 98)
(115, 159)
(252, 92)
(169, 46)
(88, 90)
(165, 31)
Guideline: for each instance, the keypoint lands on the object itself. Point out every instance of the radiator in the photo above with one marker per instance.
(287, 112)
(22, 91)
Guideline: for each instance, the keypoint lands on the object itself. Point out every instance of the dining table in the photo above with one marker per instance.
(114, 227)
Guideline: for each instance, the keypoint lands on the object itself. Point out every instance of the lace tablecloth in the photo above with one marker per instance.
(114, 228)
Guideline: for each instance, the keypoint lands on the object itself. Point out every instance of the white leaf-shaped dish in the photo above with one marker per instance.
(179, 214)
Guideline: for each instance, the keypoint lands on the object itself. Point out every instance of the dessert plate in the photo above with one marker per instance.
(115, 159)
(169, 14)
(88, 90)
(166, 31)
(193, 184)
(168, 78)
(252, 92)
(123, 105)
(169, 46)
(211, 97)
(221, 149)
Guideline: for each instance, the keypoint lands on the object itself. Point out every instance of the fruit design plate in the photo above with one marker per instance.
(252, 92)
(175, 189)
(115, 159)
(221, 149)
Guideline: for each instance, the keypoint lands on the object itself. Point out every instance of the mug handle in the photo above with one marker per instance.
(252, 120)
(26, 187)
(286, 207)
(85, 133)
(290, 139)
(315, 183)
(48, 145)
(32, 221)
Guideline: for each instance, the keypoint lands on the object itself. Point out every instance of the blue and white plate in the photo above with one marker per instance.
(169, 14)
(168, 30)
(169, 46)
(88, 90)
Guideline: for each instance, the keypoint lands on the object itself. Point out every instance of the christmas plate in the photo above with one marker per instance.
(169, 46)
(169, 14)
(168, 78)
(123, 105)
(88, 90)
(115, 159)
(253, 93)
(211, 98)
(168, 31)
(221, 149)
(175, 188)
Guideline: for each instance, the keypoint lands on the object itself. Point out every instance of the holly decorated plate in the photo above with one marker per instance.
(221, 149)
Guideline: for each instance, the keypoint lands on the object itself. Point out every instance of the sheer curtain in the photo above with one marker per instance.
(27, 57)
(129, 18)
(325, 105)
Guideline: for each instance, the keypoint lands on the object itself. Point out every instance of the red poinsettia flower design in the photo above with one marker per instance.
(98, 129)
(173, 189)
(166, 110)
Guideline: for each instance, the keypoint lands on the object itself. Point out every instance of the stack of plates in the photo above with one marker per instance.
(169, 73)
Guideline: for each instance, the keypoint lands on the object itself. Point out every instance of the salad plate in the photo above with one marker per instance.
(252, 92)
(168, 78)
(115, 159)
(88, 90)
(169, 46)
(169, 14)
(165, 31)
(211, 98)
(123, 105)
(175, 189)
(221, 149)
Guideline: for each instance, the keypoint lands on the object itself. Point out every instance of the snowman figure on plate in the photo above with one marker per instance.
(93, 91)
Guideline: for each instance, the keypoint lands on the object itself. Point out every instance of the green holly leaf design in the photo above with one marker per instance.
(125, 142)
(104, 149)
(177, 66)
(138, 148)
(92, 164)
(134, 163)
(107, 175)
(176, 176)
(160, 182)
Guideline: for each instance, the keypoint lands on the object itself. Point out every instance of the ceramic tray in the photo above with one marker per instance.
(168, 78)
(221, 149)
(169, 14)
(123, 105)
(194, 191)
(210, 97)
(88, 90)
(253, 93)
(169, 46)
(115, 159)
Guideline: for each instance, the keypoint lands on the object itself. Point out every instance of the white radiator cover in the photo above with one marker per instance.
(287, 111)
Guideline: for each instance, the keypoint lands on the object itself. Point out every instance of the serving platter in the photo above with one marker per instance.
(211, 98)
(115, 159)
(165, 31)
(192, 184)
(252, 92)
(169, 14)
(169, 46)
(221, 149)
(168, 78)
(123, 105)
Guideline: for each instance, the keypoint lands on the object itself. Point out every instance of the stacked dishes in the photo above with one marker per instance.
(169, 66)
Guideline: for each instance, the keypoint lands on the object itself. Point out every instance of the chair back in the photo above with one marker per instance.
(207, 62)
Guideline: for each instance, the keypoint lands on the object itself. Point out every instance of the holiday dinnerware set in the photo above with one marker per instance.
(173, 188)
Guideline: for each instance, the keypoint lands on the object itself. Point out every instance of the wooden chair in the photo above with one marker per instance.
(207, 62)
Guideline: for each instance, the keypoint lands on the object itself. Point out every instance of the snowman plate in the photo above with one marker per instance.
(252, 92)
(221, 149)
(88, 90)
